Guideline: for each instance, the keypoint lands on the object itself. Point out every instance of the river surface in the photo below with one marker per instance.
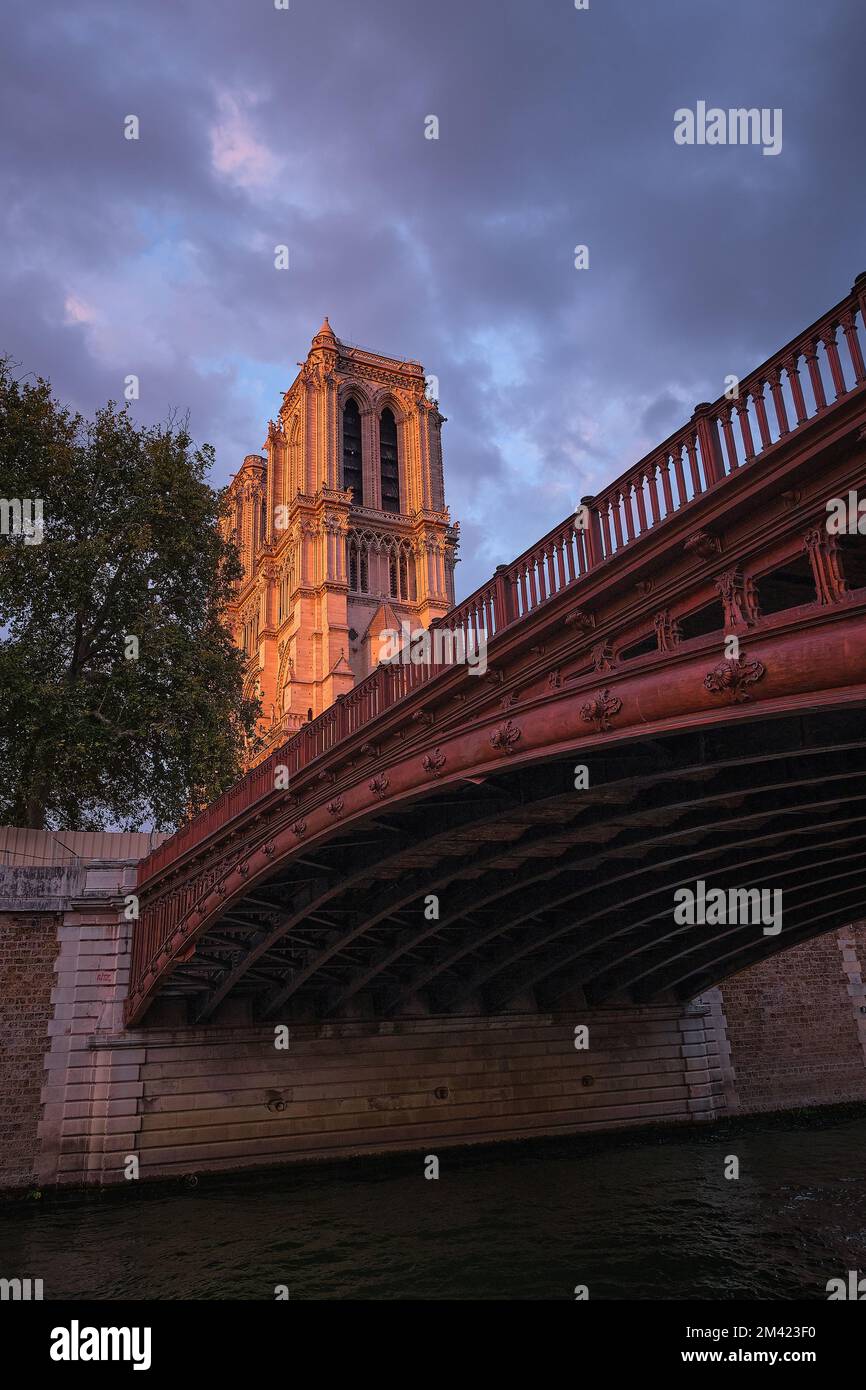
(647, 1216)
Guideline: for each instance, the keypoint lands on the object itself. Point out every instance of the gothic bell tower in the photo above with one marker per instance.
(342, 529)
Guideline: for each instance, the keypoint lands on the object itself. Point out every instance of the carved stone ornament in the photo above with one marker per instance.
(506, 737)
(379, 784)
(600, 710)
(731, 678)
(335, 807)
(299, 828)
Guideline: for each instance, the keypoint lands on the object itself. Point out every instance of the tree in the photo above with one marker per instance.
(120, 689)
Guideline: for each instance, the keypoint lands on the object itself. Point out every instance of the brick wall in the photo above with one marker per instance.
(28, 949)
(794, 1026)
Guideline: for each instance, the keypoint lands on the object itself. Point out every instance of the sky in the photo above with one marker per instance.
(305, 126)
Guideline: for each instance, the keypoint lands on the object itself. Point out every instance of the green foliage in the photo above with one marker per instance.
(131, 547)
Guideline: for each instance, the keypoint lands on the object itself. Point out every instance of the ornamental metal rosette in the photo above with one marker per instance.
(731, 678)
(506, 737)
(434, 762)
(600, 710)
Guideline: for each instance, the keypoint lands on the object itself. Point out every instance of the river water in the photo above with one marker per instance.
(647, 1215)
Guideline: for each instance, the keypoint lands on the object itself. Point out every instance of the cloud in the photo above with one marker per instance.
(306, 127)
(237, 154)
(77, 311)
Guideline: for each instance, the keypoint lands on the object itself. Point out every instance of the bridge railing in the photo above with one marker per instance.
(799, 382)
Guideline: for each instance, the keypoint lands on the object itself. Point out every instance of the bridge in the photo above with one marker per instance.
(674, 695)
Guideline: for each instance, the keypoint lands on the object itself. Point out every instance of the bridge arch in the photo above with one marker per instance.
(746, 768)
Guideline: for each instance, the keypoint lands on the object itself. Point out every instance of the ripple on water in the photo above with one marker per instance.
(637, 1217)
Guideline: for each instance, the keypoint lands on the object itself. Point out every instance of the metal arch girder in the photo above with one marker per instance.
(400, 900)
(555, 964)
(474, 903)
(590, 940)
(670, 979)
(444, 874)
(835, 919)
(610, 761)
(330, 890)
(547, 967)
(744, 957)
(589, 888)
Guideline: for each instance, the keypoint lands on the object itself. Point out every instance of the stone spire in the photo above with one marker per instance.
(326, 336)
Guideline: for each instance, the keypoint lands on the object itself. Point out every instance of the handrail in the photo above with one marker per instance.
(688, 464)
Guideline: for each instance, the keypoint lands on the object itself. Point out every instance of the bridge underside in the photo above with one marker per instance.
(516, 890)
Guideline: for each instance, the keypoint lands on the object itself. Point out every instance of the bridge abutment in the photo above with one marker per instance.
(182, 1099)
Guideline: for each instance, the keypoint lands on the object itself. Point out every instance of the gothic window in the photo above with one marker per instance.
(390, 462)
(401, 573)
(353, 471)
(358, 566)
(263, 518)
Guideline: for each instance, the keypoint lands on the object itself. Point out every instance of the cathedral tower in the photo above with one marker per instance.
(342, 529)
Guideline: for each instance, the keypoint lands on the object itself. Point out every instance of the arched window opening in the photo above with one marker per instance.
(358, 566)
(404, 576)
(353, 467)
(390, 462)
(392, 576)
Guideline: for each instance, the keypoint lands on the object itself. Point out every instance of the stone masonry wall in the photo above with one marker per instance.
(186, 1100)
(28, 949)
(795, 1027)
(786, 1033)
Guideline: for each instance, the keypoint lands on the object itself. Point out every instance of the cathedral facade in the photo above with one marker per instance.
(342, 530)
